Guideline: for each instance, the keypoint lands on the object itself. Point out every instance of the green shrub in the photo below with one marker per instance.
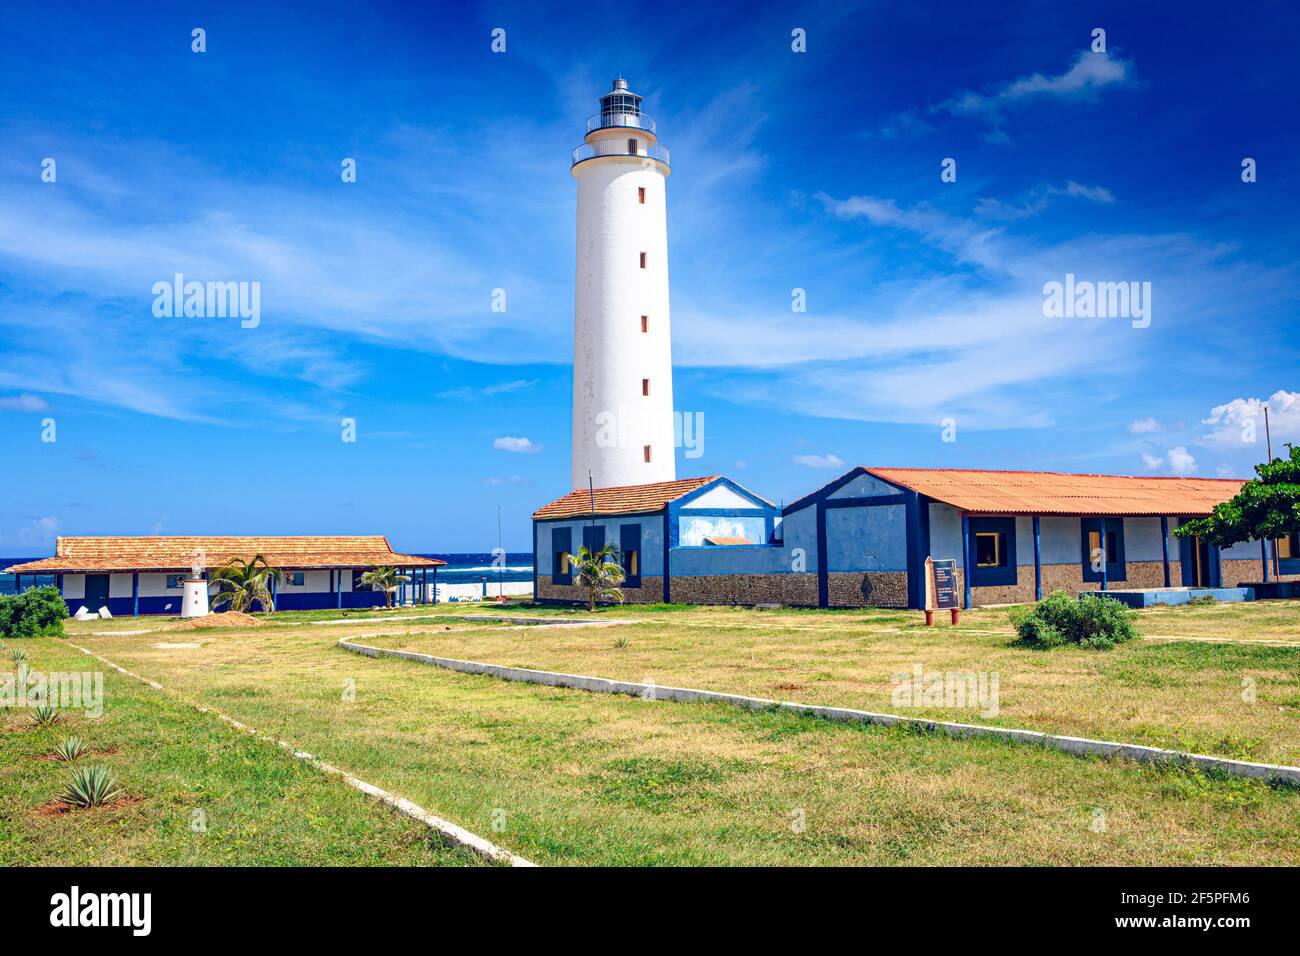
(1089, 621)
(37, 611)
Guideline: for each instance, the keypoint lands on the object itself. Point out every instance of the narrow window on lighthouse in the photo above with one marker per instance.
(643, 260)
(645, 323)
(631, 146)
(647, 454)
(645, 386)
(640, 195)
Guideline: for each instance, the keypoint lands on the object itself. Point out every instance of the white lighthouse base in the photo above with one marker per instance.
(194, 600)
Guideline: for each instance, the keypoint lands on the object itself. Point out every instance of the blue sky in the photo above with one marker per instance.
(816, 170)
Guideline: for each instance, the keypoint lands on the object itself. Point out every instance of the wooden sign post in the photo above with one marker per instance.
(941, 589)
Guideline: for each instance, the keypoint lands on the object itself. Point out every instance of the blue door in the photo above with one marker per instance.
(96, 591)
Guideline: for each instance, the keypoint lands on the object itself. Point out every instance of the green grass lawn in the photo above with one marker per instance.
(570, 777)
(257, 805)
(1239, 698)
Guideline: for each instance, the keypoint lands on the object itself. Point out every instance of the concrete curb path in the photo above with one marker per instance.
(450, 832)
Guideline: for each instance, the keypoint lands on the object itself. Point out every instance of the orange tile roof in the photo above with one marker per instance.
(177, 553)
(1052, 493)
(621, 500)
(722, 540)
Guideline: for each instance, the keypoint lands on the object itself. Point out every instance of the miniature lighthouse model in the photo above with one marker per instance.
(194, 594)
(622, 362)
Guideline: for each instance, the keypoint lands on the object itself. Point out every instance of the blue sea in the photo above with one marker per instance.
(462, 568)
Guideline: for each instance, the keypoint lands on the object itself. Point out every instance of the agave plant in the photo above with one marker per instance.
(91, 786)
(241, 583)
(386, 580)
(45, 714)
(18, 655)
(70, 749)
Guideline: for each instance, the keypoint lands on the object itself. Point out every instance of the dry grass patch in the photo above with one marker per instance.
(598, 779)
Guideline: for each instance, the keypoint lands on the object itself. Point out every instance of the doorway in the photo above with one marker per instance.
(1197, 568)
(96, 591)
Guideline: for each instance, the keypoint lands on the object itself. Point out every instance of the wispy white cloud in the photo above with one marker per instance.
(38, 533)
(1177, 461)
(829, 460)
(470, 392)
(1142, 426)
(512, 481)
(23, 403)
(518, 445)
(1085, 78)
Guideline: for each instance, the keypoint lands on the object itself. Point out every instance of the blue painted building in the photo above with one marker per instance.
(862, 540)
(143, 575)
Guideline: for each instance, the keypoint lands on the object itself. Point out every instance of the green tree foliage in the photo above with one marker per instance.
(37, 611)
(386, 580)
(1266, 507)
(240, 584)
(599, 574)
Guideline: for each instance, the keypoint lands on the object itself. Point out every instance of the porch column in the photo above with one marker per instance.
(1263, 556)
(58, 579)
(135, 594)
(965, 558)
(435, 584)
(424, 586)
(1164, 544)
(1104, 556)
(1038, 562)
(338, 588)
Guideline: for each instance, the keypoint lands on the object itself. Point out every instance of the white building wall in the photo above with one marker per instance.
(612, 420)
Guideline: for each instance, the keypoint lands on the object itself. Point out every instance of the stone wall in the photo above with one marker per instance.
(650, 591)
(865, 589)
(1238, 571)
(794, 589)
(1069, 578)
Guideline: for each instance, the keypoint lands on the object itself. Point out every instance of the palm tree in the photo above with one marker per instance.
(386, 580)
(242, 583)
(600, 573)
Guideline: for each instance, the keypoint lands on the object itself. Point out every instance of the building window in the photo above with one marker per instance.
(640, 195)
(356, 582)
(593, 537)
(1289, 547)
(645, 386)
(990, 551)
(646, 450)
(561, 545)
(631, 147)
(992, 556)
(1091, 543)
(629, 554)
(643, 260)
(296, 578)
(645, 323)
(174, 581)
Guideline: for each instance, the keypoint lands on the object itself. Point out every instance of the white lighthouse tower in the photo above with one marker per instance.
(622, 362)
